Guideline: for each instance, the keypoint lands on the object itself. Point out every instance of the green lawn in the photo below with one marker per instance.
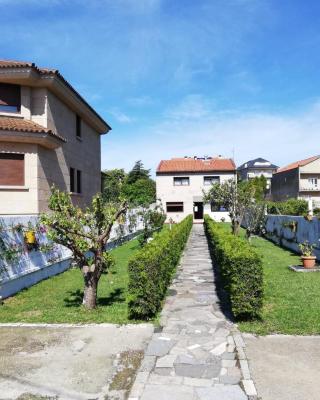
(291, 299)
(58, 299)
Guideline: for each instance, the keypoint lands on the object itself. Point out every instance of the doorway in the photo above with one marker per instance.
(198, 210)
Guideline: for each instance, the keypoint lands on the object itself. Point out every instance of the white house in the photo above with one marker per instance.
(181, 182)
(257, 168)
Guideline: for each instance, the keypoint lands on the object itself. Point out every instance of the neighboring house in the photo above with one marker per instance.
(48, 135)
(300, 180)
(181, 182)
(256, 168)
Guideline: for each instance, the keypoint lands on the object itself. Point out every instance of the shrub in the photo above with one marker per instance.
(240, 267)
(289, 207)
(151, 270)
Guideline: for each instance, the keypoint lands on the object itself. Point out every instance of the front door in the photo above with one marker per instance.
(198, 210)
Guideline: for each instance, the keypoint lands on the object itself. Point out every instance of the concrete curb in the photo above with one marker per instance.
(247, 382)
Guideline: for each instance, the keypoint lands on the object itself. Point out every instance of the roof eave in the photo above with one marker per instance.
(29, 75)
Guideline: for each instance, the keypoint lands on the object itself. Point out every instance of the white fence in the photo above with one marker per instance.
(289, 231)
(21, 267)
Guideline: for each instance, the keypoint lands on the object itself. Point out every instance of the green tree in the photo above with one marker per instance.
(113, 181)
(140, 193)
(233, 196)
(86, 233)
(259, 184)
(153, 219)
(138, 172)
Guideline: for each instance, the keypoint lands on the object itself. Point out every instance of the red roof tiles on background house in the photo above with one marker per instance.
(12, 124)
(297, 164)
(196, 165)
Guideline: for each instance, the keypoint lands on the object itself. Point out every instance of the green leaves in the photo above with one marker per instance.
(151, 270)
(241, 270)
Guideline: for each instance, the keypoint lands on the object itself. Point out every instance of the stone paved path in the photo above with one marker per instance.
(195, 356)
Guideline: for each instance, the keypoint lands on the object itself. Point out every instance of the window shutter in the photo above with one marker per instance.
(11, 169)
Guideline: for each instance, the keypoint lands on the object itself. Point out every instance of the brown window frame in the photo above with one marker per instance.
(207, 180)
(174, 206)
(17, 178)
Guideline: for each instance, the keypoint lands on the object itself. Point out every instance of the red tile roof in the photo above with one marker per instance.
(48, 71)
(297, 164)
(196, 165)
(13, 124)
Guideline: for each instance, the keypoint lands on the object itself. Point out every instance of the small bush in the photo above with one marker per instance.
(240, 267)
(151, 270)
(289, 207)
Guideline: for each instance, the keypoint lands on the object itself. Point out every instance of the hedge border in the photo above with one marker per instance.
(151, 270)
(241, 270)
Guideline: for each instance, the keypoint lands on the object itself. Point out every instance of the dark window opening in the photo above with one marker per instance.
(72, 180)
(174, 207)
(78, 126)
(181, 181)
(11, 169)
(217, 207)
(79, 189)
(10, 97)
(210, 180)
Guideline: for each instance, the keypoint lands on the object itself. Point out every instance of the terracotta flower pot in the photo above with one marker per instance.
(308, 262)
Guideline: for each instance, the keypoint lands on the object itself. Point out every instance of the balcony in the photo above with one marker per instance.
(309, 188)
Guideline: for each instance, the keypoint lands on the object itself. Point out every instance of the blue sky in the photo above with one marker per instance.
(185, 77)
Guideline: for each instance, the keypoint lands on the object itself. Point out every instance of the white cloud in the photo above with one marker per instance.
(120, 116)
(140, 101)
(191, 107)
(281, 138)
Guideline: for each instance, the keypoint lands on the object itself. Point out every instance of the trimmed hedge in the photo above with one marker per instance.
(240, 267)
(151, 270)
(289, 207)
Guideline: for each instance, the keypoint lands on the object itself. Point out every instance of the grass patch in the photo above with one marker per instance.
(291, 300)
(59, 299)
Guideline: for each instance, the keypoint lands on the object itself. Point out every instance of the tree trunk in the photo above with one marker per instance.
(235, 227)
(90, 291)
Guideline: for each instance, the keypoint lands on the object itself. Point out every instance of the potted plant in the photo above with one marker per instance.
(308, 258)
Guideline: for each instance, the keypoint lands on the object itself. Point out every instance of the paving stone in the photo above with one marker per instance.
(194, 357)
(165, 362)
(167, 392)
(228, 363)
(158, 347)
(230, 379)
(189, 366)
(197, 382)
(228, 356)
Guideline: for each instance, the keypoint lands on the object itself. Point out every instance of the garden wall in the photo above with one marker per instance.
(21, 267)
(289, 231)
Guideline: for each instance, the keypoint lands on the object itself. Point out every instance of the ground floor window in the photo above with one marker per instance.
(11, 169)
(174, 206)
(217, 207)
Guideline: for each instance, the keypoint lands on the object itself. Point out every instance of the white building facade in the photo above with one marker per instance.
(181, 183)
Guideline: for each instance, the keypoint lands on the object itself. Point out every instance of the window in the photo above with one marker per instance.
(174, 207)
(181, 181)
(11, 169)
(216, 207)
(313, 181)
(79, 189)
(72, 180)
(75, 181)
(10, 97)
(210, 180)
(78, 126)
